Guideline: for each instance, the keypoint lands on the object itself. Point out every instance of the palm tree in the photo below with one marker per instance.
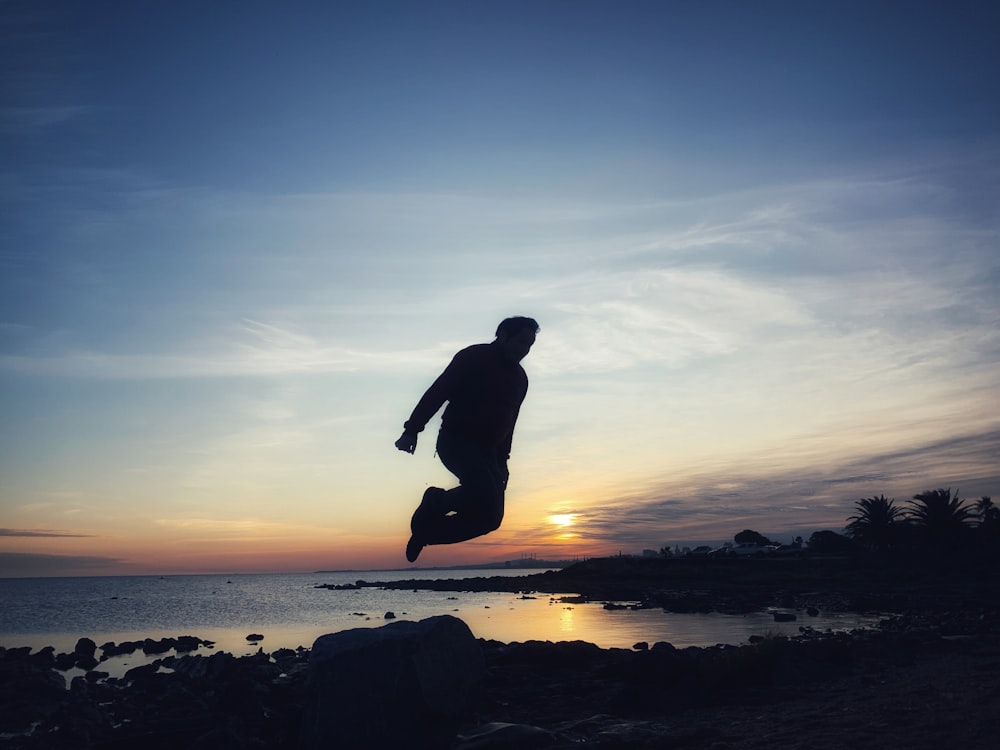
(875, 523)
(986, 512)
(942, 516)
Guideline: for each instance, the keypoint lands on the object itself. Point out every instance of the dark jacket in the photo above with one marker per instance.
(484, 391)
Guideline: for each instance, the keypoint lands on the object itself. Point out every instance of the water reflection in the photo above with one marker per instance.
(567, 623)
(551, 619)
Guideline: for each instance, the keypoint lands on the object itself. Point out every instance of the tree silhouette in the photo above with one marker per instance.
(876, 523)
(830, 542)
(987, 514)
(749, 536)
(941, 516)
(987, 525)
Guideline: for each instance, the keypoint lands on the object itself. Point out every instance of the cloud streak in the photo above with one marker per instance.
(681, 280)
(256, 349)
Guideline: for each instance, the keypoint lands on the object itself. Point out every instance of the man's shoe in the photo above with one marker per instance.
(413, 549)
(426, 510)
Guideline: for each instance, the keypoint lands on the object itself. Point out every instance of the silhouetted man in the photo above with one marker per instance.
(484, 386)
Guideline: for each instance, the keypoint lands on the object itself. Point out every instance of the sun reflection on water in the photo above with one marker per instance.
(549, 618)
(567, 623)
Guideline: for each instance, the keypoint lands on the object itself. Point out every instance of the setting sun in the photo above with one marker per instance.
(562, 519)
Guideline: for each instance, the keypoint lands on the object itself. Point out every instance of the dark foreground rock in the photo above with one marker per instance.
(402, 685)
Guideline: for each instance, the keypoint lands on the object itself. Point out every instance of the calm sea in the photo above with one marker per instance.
(289, 611)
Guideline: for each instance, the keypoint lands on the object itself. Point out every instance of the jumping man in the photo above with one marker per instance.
(484, 386)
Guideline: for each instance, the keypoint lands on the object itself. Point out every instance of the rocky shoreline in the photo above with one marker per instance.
(744, 585)
(926, 677)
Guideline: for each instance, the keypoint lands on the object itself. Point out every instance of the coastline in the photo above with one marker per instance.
(906, 679)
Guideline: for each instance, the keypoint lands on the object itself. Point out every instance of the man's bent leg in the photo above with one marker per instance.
(479, 499)
(431, 506)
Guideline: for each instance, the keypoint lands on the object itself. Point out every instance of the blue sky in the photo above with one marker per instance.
(240, 239)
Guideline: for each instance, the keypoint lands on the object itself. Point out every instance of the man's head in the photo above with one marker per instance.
(515, 336)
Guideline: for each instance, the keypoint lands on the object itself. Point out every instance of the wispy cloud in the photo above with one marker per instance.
(41, 533)
(239, 530)
(253, 348)
(823, 279)
(667, 317)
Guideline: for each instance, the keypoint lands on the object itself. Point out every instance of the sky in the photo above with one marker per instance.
(240, 239)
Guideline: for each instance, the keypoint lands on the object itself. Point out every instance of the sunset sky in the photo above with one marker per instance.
(239, 240)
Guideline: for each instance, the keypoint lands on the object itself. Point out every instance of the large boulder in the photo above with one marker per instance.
(401, 685)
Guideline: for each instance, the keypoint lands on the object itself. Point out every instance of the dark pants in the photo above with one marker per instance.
(473, 508)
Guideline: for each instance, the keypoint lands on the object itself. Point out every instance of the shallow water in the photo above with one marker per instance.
(289, 611)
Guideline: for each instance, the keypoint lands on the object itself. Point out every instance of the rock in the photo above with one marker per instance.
(81, 722)
(500, 735)
(109, 649)
(85, 662)
(390, 615)
(85, 647)
(149, 646)
(187, 643)
(401, 685)
(141, 673)
(339, 586)
(254, 637)
(548, 655)
(44, 657)
(219, 665)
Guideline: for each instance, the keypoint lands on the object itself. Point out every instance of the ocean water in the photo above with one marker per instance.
(289, 611)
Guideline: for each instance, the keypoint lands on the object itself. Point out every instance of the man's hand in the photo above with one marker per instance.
(407, 442)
